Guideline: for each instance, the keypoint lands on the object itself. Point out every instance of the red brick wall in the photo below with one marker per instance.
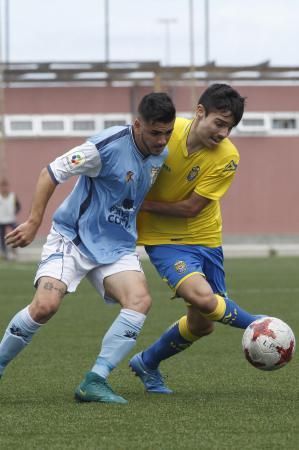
(263, 198)
(71, 100)
(25, 159)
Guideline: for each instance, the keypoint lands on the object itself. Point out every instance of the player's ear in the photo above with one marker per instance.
(200, 111)
(137, 124)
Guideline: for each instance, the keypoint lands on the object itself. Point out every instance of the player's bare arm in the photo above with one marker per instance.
(190, 207)
(24, 234)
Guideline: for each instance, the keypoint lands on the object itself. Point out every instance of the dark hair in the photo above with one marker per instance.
(222, 97)
(157, 107)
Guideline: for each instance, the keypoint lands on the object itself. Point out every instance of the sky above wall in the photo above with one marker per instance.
(240, 32)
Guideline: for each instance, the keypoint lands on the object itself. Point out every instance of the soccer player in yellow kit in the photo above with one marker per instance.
(181, 228)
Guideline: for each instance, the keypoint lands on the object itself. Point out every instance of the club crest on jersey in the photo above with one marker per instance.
(193, 173)
(75, 159)
(231, 166)
(180, 266)
(129, 176)
(154, 173)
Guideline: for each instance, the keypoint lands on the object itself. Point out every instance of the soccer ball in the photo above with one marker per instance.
(268, 343)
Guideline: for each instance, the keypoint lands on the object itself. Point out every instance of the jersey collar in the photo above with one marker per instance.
(135, 146)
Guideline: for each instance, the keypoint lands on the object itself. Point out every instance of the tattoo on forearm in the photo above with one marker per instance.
(50, 287)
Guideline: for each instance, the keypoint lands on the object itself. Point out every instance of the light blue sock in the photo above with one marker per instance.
(18, 334)
(118, 341)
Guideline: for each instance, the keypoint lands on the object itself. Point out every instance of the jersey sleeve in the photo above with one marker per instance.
(217, 180)
(82, 160)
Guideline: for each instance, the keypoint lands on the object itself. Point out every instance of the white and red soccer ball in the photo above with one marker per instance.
(268, 343)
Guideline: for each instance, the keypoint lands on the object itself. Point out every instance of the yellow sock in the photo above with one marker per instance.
(184, 330)
(219, 311)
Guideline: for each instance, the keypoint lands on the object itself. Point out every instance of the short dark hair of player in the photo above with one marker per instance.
(222, 97)
(157, 107)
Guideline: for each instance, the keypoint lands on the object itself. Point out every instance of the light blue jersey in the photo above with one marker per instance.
(99, 215)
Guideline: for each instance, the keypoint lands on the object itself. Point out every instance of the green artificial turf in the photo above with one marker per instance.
(220, 401)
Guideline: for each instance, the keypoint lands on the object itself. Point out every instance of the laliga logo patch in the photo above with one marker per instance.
(75, 159)
(180, 266)
(193, 173)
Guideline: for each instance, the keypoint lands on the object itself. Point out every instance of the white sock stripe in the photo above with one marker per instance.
(25, 315)
(133, 316)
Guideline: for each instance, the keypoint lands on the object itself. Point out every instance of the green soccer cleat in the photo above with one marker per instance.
(96, 389)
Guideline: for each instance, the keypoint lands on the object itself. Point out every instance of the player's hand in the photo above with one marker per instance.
(21, 236)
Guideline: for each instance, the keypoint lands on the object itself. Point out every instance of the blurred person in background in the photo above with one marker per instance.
(9, 208)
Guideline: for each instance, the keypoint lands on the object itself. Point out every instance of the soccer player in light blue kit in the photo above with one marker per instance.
(94, 236)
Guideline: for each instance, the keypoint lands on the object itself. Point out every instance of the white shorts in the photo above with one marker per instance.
(62, 260)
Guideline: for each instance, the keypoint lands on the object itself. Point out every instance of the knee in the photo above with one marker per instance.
(140, 302)
(42, 311)
(204, 300)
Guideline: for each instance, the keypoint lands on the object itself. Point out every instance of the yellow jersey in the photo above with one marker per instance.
(208, 172)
